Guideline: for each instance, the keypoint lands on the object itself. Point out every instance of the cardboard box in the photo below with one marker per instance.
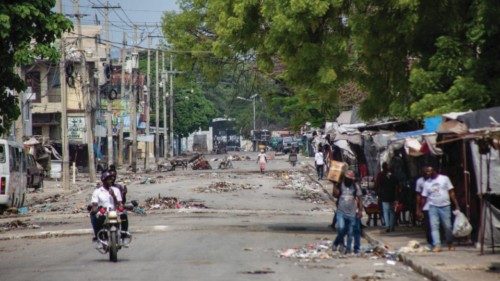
(337, 169)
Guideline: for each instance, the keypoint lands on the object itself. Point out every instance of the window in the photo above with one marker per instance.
(53, 85)
(33, 81)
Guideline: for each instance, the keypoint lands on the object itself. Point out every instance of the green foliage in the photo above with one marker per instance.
(27, 31)
(410, 59)
(192, 111)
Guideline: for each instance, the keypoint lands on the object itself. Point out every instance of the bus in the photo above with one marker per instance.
(12, 174)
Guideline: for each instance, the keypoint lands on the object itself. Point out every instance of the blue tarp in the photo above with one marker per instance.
(431, 124)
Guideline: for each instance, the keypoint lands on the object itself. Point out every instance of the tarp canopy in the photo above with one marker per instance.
(487, 169)
(431, 125)
(482, 118)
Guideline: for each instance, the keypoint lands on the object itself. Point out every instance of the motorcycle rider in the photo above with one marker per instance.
(108, 197)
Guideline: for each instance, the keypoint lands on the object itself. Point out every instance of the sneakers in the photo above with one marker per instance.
(437, 249)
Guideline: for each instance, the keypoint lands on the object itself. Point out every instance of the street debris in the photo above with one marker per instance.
(162, 203)
(319, 250)
(305, 189)
(223, 186)
(259, 271)
(413, 246)
(17, 224)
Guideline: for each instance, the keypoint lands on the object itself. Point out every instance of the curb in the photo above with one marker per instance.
(426, 271)
(75, 232)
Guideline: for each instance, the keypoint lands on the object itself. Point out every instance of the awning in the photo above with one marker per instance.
(482, 118)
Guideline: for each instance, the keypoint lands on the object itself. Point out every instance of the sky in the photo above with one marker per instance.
(144, 13)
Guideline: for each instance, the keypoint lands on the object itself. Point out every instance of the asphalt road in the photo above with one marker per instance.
(239, 236)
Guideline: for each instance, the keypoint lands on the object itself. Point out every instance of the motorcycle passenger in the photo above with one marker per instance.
(108, 197)
(122, 188)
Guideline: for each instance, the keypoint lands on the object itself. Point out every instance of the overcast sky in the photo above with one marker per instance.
(144, 13)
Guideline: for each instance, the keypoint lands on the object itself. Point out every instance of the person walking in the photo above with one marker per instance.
(424, 209)
(387, 186)
(348, 208)
(319, 161)
(438, 190)
(262, 160)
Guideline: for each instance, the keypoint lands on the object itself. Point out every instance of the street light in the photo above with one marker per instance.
(252, 99)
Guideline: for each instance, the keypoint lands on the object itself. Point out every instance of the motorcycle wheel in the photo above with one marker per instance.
(113, 247)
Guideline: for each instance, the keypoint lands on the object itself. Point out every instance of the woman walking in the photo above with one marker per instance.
(262, 160)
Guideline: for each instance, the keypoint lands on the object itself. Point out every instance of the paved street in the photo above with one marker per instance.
(238, 237)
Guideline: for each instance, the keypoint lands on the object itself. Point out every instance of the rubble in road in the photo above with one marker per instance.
(305, 188)
(237, 157)
(17, 224)
(222, 186)
(166, 202)
(322, 250)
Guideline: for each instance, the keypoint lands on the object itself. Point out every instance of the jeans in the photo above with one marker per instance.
(356, 234)
(388, 214)
(345, 227)
(439, 215)
(319, 170)
(427, 222)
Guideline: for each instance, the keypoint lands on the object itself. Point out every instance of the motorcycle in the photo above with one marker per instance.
(110, 238)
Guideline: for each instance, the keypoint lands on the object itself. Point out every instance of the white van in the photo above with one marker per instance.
(12, 174)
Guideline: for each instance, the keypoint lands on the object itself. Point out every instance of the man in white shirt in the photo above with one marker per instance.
(438, 191)
(319, 161)
(106, 197)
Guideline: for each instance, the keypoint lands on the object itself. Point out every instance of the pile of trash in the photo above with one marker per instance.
(304, 188)
(223, 186)
(322, 250)
(319, 250)
(166, 202)
(237, 157)
(17, 224)
(413, 246)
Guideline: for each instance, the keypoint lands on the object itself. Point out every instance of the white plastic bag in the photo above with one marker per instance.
(461, 226)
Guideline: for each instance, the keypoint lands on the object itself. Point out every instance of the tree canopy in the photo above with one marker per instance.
(27, 31)
(403, 58)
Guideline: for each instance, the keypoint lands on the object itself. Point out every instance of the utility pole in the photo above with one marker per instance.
(171, 76)
(109, 118)
(133, 96)
(147, 104)
(157, 113)
(122, 92)
(64, 116)
(164, 103)
(84, 82)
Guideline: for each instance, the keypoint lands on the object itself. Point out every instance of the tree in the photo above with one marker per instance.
(192, 111)
(27, 31)
(403, 57)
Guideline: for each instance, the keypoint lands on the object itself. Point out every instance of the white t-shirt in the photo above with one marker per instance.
(419, 186)
(318, 158)
(436, 191)
(102, 197)
(262, 158)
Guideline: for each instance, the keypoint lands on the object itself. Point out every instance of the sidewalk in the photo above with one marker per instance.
(464, 264)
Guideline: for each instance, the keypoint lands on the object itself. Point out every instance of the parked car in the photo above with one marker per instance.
(289, 142)
(34, 173)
